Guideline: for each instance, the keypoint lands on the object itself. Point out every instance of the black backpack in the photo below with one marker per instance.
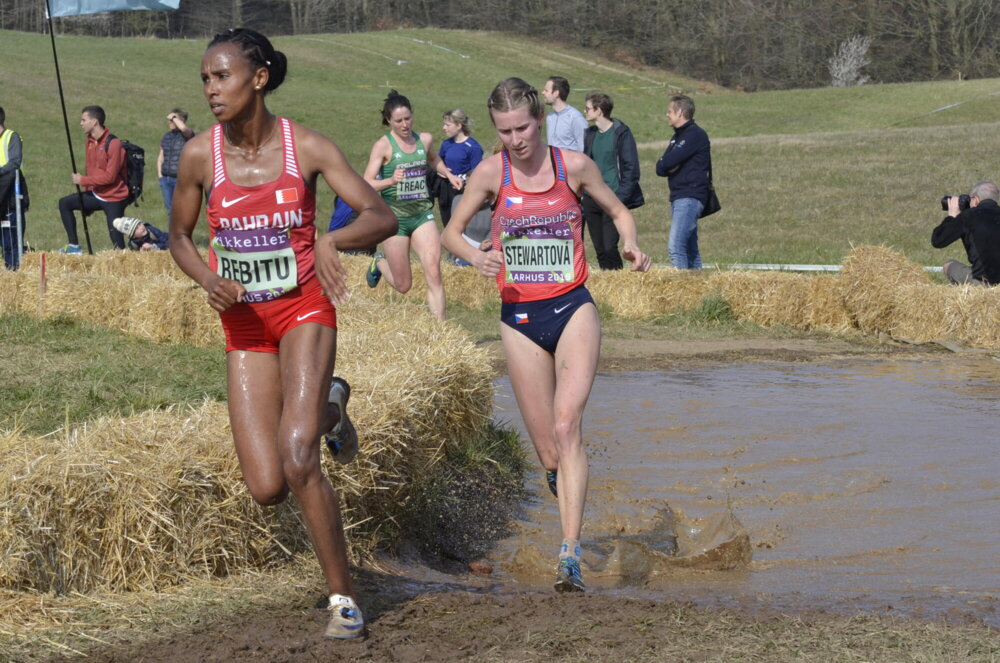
(135, 167)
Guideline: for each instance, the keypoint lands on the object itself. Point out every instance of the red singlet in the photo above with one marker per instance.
(262, 237)
(541, 237)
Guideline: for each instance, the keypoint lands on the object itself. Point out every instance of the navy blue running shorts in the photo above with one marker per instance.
(543, 321)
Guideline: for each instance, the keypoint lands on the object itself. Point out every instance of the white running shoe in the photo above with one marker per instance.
(346, 620)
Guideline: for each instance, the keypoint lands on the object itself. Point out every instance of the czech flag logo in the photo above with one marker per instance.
(514, 200)
(286, 196)
(521, 318)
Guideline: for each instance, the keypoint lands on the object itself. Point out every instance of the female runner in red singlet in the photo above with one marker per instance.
(274, 285)
(550, 329)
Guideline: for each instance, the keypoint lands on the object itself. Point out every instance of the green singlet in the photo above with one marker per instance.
(410, 198)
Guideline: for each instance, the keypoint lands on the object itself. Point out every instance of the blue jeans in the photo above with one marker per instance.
(167, 186)
(8, 239)
(683, 247)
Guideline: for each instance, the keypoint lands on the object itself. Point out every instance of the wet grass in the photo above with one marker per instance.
(59, 370)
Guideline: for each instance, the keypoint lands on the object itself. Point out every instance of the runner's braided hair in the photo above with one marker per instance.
(513, 93)
(392, 102)
(258, 51)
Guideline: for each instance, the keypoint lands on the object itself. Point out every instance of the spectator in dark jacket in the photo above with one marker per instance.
(609, 142)
(979, 229)
(686, 164)
(170, 154)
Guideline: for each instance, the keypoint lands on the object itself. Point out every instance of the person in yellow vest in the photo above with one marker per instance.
(10, 167)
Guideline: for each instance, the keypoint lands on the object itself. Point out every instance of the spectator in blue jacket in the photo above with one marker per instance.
(141, 236)
(687, 164)
(609, 142)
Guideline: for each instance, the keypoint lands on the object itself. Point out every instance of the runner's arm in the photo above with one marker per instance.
(374, 167)
(191, 178)
(478, 190)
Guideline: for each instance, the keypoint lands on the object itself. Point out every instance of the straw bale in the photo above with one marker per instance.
(635, 295)
(765, 298)
(95, 299)
(464, 285)
(146, 501)
(467, 286)
(107, 263)
(14, 287)
(135, 503)
(869, 279)
(919, 312)
(825, 304)
(974, 314)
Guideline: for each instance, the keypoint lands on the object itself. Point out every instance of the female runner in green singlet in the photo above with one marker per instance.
(397, 168)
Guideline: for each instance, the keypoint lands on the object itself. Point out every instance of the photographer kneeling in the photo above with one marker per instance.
(976, 221)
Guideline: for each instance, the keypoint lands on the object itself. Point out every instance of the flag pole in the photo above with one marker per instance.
(69, 139)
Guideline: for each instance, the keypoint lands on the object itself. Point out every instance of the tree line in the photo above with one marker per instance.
(746, 44)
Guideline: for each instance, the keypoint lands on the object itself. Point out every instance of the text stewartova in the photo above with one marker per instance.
(534, 256)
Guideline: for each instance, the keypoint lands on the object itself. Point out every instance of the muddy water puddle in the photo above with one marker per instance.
(858, 485)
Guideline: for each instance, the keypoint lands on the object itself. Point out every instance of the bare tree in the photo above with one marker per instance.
(848, 61)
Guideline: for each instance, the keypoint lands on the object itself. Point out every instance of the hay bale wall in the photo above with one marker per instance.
(869, 279)
(878, 291)
(135, 503)
(420, 388)
(143, 502)
(146, 501)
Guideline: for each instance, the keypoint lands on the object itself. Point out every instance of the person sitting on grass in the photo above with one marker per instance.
(978, 226)
(141, 236)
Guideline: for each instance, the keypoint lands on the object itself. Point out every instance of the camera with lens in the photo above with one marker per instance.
(964, 202)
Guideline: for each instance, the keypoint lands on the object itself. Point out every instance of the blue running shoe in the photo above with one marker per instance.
(342, 439)
(71, 249)
(550, 477)
(374, 274)
(568, 576)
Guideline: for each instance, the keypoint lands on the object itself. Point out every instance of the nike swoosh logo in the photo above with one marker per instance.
(561, 309)
(230, 203)
(553, 202)
(300, 318)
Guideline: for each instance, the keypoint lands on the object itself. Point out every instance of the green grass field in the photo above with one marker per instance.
(803, 174)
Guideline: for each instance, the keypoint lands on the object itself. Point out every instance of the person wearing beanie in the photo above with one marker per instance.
(141, 236)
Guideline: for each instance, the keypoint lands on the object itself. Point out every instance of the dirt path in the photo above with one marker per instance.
(411, 623)
(461, 618)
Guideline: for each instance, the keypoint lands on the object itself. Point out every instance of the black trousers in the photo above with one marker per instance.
(603, 234)
(91, 203)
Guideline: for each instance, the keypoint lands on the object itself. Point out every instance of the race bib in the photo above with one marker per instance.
(261, 260)
(534, 260)
(414, 184)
